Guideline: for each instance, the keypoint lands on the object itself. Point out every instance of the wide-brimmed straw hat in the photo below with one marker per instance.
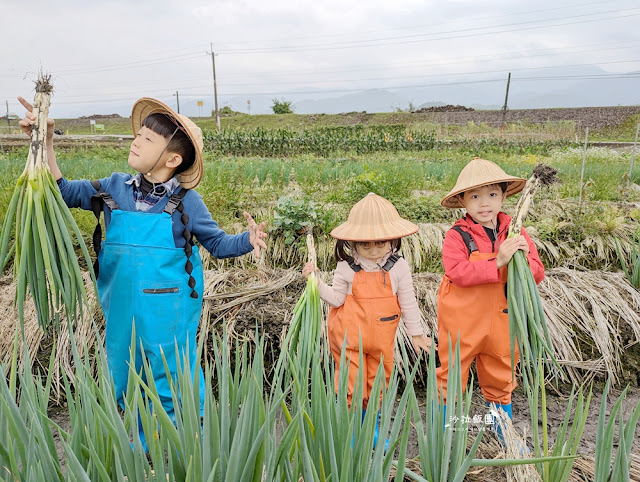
(478, 173)
(147, 106)
(373, 218)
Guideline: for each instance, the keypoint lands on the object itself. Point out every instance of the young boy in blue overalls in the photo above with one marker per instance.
(149, 270)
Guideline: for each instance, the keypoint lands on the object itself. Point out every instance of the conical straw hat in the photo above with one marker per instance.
(480, 172)
(373, 218)
(146, 106)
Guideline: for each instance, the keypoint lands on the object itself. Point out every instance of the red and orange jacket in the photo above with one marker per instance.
(455, 255)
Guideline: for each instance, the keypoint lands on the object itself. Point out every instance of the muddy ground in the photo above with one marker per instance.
(557, 402)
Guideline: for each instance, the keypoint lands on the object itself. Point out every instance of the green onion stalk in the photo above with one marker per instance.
(632, 270)
(305, 331)
(617, 469)
(44, 255)
(527, 322)
(556, 463)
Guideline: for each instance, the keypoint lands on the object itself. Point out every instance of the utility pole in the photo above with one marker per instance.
(215, 88)
(506, 98)
(633, 154)
(8, 121)
(177, 101)
(584, 160)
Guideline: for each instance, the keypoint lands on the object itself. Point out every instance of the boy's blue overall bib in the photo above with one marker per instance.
(142, 280)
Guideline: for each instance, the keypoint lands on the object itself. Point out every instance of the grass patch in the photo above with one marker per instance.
(414, 181)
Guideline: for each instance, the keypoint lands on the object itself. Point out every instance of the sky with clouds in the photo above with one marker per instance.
(104, 55)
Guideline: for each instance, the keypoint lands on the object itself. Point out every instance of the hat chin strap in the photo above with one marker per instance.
(160, 157)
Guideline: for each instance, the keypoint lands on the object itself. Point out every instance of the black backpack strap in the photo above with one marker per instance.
(174, 201)
(468, 240)
(355, 267)
(393, 259)
(175, 204)
(102, 198)
(98, 200)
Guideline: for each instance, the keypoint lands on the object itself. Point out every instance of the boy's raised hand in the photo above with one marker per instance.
(256, 234)
(508, 249)
(29, 120)
(26, 124)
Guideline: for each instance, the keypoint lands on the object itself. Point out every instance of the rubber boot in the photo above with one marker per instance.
(364, 412)
(143, 441)
(376, 434)
(508, 409)
(496, 426)
(443, 409)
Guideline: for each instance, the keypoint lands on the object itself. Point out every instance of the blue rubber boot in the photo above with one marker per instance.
(443, 408)
(496, 426)
(143, 441)
(508, 409)
(376, 434)
(364, 412)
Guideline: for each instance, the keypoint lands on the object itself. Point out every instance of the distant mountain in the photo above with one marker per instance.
(548, 88)
(545, 88)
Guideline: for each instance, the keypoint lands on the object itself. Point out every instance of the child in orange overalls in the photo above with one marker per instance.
(372, 288)
(472, 296)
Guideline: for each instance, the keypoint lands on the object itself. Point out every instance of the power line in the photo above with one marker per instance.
(184, 83)
(468, 73)
(484, 81)
(381, 42)
(453, 74)
(162, 53)
(129, 65)
(634, 75)
(441, 75)
(344, 45)
(405, 28)
(455, 60)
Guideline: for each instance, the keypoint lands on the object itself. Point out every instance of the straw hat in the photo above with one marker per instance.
(147, 106)
(373, 218)
(478, 173)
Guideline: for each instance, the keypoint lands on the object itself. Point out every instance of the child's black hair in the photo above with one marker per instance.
(503, 186)
(180, 143)
(343, 249)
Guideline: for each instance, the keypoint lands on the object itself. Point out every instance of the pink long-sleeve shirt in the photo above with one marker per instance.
(401, 284)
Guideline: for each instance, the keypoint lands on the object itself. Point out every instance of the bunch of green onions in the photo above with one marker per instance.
(305, 331)
(44, 255)
(527, 322)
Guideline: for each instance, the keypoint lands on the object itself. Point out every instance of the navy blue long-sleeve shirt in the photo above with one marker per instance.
(77, 194)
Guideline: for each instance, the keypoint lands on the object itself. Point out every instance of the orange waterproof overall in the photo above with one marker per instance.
(372, 312)
(480, 314)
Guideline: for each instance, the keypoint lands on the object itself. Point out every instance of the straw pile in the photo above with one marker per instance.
(423, 251)
(40, 345)
(593, 316)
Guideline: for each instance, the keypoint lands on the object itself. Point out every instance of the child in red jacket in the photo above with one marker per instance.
(472, 296)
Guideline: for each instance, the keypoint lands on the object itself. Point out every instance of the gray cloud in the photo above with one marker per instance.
(105, 55)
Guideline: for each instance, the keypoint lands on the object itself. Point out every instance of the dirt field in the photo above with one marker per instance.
(592, 117)
(490, 447)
